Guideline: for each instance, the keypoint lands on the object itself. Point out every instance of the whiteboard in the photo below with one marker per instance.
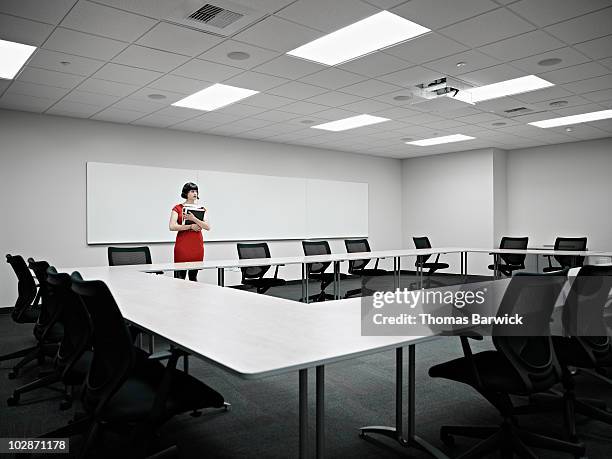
(132, 204)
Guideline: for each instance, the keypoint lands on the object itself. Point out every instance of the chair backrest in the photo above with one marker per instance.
(583, 311)
(422, 242)
(113, 353)
(316, 248)
(533, 297)
(355, 246)
(514, 243)
(26, 287)
(77, 328)
(253, 250)
(570, 243)
(50, 308)
(129, 256)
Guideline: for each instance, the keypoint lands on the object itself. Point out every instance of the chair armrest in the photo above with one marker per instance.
(161, 355)
(467, 352)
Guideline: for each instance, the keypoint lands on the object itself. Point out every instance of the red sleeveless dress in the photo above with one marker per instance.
(189, 244)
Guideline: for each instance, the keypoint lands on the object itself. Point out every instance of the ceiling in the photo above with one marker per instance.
(103, 59)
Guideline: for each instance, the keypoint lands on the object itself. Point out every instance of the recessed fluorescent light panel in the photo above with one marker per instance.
(350, 123)
(439, 140)
(12, 57)
(503, 88)
(379, 31)
(214, 97)
(573, 119)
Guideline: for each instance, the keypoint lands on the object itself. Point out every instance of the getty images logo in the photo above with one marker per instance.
(412, 298)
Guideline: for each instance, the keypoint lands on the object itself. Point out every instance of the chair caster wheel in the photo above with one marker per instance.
(447, 439)
(13, 374)
(12, 400)
(195, 414)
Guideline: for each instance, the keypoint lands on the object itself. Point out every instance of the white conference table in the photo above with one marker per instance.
(254, 336)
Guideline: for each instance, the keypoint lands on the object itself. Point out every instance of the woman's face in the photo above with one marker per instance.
(192, 195)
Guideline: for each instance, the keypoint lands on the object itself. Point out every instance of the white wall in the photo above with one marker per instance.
(562, 190)
(42, 185)
(450, 199)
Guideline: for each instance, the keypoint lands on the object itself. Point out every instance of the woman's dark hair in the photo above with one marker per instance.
(187, 187)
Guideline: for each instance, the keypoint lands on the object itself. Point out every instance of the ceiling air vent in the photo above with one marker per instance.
(215, 16)
(518, 111)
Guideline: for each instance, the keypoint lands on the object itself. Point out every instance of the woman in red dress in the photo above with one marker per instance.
(189, 244)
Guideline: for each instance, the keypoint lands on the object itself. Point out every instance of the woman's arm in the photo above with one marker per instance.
(203, 224)
(174, 225)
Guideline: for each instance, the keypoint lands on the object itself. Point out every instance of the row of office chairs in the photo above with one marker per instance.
(121, 384)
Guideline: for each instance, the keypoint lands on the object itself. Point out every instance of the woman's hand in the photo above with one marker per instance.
(195, 227)
(192, 217)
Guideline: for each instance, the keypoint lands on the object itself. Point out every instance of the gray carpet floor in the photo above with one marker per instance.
(263, 421)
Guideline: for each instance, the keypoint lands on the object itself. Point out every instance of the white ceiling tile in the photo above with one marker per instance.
(23, 31)
(52, 60)
(241, 110)
(426, 48)
(396, 113)
(267, 32)
(449, 124)
(155, 120)
(289, 67)
(296, 90)
(255, 81)
(370, 88)
(180, 113)
(151, 59)
(82, 44)
(502, 104)
(583, 28)
(49, 11)
(606, 62)
(592, 84)
(177, 84)
(334, 99)
(424, 119)
(599, 96)
(335, 114)
(598, 48)
(180, 40)
(568, 58)
(109, 22)
(332, 78)
(194, 125)
(481, 118)
(575, 73)
(49, 77)
(257, 55)
(439, 13)
(546, 12)
(605, 125)
(124, 74)
(325, 15)
(522, 46)
(492, 75)
(375, 64)
(90, 98)
(554, 92)
(489, 27)
(474, 60)
(367, 106)
(303, 108)
(217, 118)
(267, 101)
(411, 77)
(276, 115)
(136, 105)
(571, 101)
(576, 110)
(107, 87)
(117, 116)
(142, 95)
(206, 71)
(26, 103)
(250, 123)
(74, 109)
(37, 90)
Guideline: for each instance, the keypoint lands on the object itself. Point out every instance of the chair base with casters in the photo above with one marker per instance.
(362, 291)
(505, 269)
(326, 280)
(263, 284)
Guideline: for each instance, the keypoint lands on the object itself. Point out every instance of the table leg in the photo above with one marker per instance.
(303, 403)
(221, 277)
(336, 280)
(320, 412)
(303, 282)
(396, 433)
(466, 265)
(396, 273)
(307, 296)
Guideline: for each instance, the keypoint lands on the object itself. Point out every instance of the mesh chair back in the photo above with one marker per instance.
(26, 287)
(129, 256)
(113, 353)
(422, 243)
(77, 329)
(253, 250)
(532, 296)
(583, 311)
(570, 243)
(50, 308)
(514, 243)
(354, 246)
(316, 248)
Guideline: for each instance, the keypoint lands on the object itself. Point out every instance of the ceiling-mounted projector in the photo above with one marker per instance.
(441, 87)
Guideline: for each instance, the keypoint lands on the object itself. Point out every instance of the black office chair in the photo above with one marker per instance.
(421, 261)
(359, 267)
(125, 388)
(567, 261)
(316, 271)
(519, 365)
(27, 305)
(74, 353)
(511, 262)
(253, 276)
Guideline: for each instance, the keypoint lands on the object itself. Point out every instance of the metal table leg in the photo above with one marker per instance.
(396, 273)
(320, 412)
(396, 433)
(221, 277)
(303, 402)
(336, 280)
